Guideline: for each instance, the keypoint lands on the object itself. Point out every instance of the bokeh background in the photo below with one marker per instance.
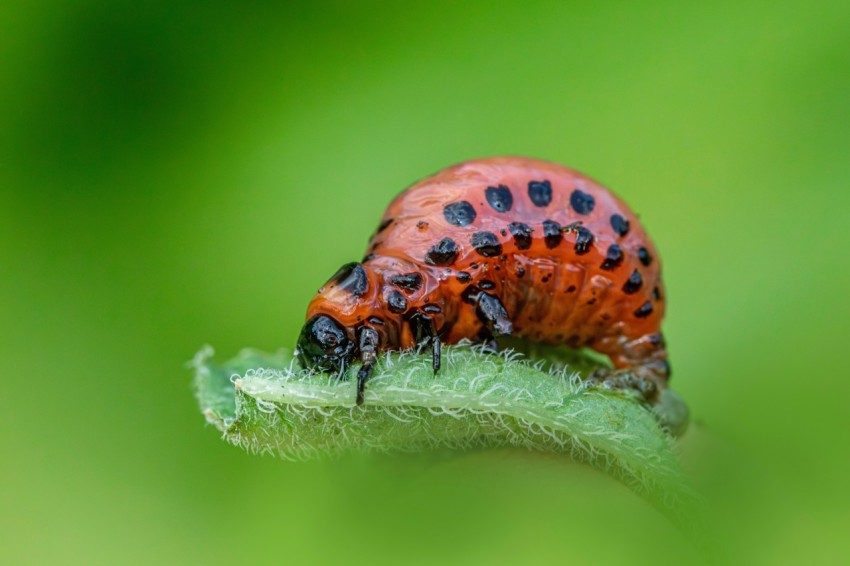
(175, 173)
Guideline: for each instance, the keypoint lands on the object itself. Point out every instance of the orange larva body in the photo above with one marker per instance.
(566, 259)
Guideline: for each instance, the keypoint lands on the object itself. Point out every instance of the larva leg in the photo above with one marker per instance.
(643, 368)
(369, 343)
(626, 379)
(490, 311)
(641, 364)
(424, 333)
(436, 352)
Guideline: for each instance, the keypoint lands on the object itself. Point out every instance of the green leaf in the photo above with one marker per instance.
(268, 404)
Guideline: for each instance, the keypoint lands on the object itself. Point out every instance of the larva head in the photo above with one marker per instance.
(327, 341)
(324, 345)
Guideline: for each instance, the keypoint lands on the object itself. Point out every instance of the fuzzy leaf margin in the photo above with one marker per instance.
(265, 403)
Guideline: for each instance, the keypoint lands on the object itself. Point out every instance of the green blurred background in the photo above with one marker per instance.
(180, 173)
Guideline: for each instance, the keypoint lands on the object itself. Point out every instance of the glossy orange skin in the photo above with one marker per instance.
(552, 295)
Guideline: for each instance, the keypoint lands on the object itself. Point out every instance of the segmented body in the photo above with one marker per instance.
(567, 260)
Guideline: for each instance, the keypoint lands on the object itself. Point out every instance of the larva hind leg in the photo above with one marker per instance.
(626, 379)
(669, 408)
(641, 367)
(641, 364)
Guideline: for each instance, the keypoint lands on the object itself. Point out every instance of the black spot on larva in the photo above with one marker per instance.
(584, 239)
(656, 294)
(619, 224)
(422, 225)
(375, 320)
(463, 277)
(644, 310)
(592, 301)
(396, 302)
(500, 198)
(407, 281)
(633, 284)
(443, 253)
(552, 234)
(571, 288)
(521, 234)
(383, 225)
(643, 256)
(432, 309)
(540, 192)
(459, 213)
(473, 265)
(581, 202)
(351, 277)
(487, 285)
(486, 244)
(520, 272)
(664, 368)
(613, 258)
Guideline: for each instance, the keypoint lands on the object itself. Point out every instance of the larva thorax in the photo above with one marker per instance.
(383, 294)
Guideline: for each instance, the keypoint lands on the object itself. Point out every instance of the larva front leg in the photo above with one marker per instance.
(369, 342)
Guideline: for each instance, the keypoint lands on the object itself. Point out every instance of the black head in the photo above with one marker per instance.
(323, 345)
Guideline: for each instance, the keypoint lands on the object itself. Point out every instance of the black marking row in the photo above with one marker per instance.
(487, 244)
(462, 213)
(500, 199)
